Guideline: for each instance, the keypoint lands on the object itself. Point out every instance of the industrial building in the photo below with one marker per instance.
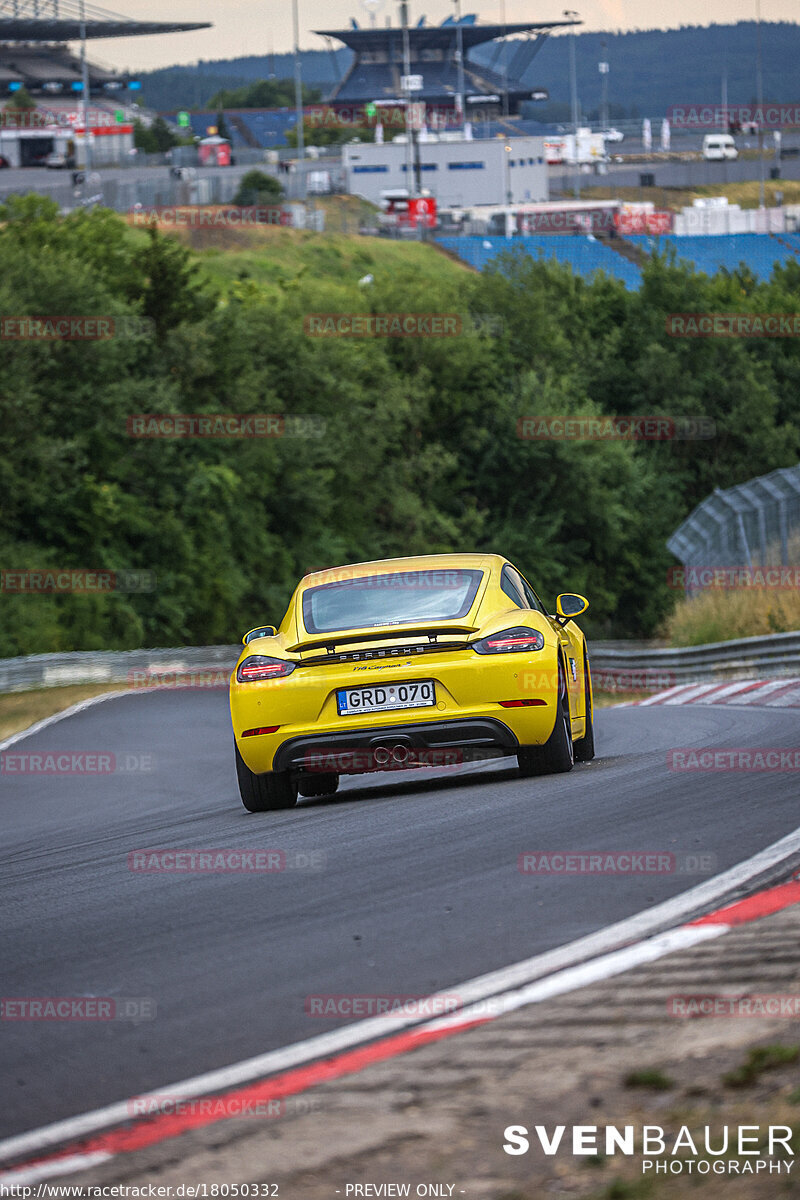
(461, 173)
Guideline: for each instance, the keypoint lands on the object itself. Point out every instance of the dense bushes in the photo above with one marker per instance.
(420, 453)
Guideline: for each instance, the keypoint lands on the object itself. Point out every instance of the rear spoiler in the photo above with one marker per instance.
(397, 633)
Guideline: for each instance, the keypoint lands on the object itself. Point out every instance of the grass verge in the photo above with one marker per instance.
(744, 194)
(718, 615)
(20, 710)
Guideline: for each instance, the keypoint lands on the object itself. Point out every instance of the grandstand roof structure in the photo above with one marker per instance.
(60, 21)
(34, 36)
(378, 63)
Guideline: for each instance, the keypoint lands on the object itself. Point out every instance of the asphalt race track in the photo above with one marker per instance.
(420, 887)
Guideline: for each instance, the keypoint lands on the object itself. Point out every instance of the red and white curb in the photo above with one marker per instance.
(759, 693)
(78, 1143)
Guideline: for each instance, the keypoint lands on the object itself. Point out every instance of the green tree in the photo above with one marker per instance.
(170, 291)
(156, 138)
(264, 93)
(22, 99)
(257, 187)
(421, 449)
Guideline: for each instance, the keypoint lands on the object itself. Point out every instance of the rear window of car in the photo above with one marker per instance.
(396, 598)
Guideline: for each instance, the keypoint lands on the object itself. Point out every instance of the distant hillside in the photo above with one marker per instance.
(649, 70)
(192, 86)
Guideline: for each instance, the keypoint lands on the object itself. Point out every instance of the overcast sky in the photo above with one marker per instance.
(244, 27)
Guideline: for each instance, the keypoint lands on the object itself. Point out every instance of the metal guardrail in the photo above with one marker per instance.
(619, 665)
(122, 666)
(773, 656)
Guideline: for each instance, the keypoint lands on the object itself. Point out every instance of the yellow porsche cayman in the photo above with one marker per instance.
(409, 662)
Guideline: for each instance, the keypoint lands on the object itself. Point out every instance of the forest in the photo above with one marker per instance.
(388, 446)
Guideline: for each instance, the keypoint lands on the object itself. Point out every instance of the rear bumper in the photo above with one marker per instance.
(433, 743)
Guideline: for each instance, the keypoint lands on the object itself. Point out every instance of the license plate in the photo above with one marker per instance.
(384, 698)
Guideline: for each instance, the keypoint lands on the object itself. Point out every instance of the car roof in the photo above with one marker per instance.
(421, 562)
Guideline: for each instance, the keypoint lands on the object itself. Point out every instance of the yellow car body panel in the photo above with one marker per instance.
(469, 687)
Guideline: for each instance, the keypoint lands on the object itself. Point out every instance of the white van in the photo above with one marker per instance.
(319, 183)
(719, 147)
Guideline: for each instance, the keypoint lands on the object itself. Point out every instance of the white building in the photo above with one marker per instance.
(460, 174)
(30, 144)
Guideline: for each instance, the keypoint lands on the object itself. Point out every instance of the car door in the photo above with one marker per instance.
(569, 647)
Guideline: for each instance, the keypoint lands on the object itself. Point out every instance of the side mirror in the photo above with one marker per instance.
(569, 605)
(260, 632)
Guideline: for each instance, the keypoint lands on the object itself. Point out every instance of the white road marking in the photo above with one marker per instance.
(62, 716)
(703, 897)
(731, 689)
(694, 693)
(756, 695)
(61, 1166)
(662, 697)
(591, 972)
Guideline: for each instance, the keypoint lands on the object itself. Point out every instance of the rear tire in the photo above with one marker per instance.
(557, 755)
(264, 793)
(318, 785)
(584, 747)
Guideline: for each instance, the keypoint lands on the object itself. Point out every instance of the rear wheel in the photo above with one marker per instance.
(264, 793)
(557, 754)
(584, 747)
(318, 785)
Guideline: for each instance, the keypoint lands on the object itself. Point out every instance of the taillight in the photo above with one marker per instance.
(510, 641)
(257, 667)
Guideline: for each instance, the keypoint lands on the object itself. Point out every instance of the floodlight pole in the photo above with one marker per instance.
(460, 52)
(298, 99)
(605, 120)
(410, 139)
(85, 90)
(506, 109)
(760, 100)
(573, 84)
